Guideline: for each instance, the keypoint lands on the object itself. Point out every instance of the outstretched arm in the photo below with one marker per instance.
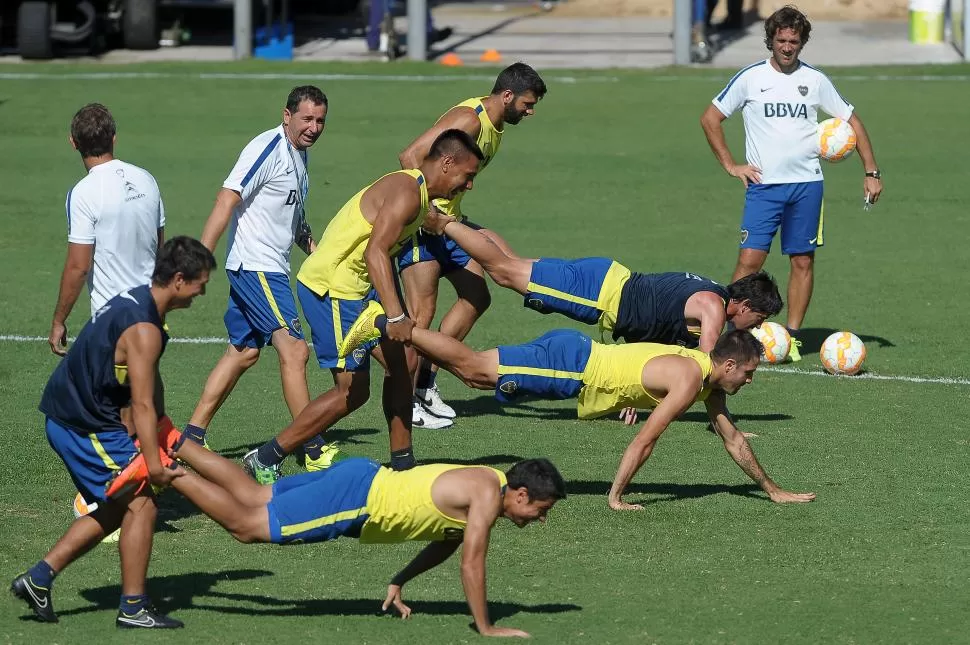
(673, 405)
(428, 558)
(740, 451)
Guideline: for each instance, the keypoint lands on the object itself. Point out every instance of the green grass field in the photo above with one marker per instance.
(617, 167)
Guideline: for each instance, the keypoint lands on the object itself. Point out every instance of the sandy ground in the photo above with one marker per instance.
(815, 9)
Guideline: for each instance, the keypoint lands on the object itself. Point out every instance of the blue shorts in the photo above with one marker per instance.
(796, 208)
(550, 367)
(423, 247)
(322, 505)
(91, 459)
(568, 287)
(330, 320)
(259, 304)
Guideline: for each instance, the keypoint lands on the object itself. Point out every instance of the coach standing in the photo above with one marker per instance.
(115, 222)
(262, 203)
(779, 98)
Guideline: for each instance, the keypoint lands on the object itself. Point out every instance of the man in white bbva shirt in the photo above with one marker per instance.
(779, 98)
(262, 204)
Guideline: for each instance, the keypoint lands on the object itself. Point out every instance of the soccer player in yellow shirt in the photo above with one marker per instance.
(565, 364)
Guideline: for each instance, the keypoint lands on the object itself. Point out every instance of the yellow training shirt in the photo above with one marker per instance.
(337, 265)
(613, 378)
(400, 506)
(489, 140)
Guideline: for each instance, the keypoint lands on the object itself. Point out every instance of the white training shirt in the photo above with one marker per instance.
(118, 209)
(780, 117)
(271, 177)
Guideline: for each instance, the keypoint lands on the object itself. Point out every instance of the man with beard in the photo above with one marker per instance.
(426, 258)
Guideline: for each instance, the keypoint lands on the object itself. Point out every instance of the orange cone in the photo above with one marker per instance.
(451, 60)
(491, 56)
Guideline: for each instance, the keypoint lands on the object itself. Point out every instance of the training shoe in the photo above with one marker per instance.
(329, 455)
(432, 403)
(147, 618)
(421, 418)
(793, 354)
(267, 475)
(37, 598)
(363, 330)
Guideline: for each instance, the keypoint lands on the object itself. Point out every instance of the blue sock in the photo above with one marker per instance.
(270, 453)
(131, 605)
(402, 459)
(314, 447)
(425, 377)
(195, 433)
(380, 323)
(42, 575)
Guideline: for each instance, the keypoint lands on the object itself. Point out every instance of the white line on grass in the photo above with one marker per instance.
(938, 380)
(426, 78)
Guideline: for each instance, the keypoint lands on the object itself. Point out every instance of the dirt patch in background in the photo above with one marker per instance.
(814, 9)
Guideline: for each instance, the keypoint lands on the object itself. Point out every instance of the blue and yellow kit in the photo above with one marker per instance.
(334, 285)
(637, 307)
(565, 364)
(361, 499)
(422, 247)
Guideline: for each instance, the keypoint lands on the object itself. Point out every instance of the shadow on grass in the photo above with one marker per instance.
(813, 337)
(341, 435)
(487, 405)
(701, 417)
(664, 492)
(196, 591)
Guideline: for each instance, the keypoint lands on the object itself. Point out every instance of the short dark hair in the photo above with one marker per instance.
(761, 292)
(788, 17)
(454, 143)
(740, 344)
(93, 130)
(520, 78)
(539, 477)
(302, 93)
(185, 255)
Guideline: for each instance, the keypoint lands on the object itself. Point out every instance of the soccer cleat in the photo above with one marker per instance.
(147, 618)
(134, 476)
(421, 418)
(432, 403)
(329, 455)
(793, 354)
(266, 475)
(363, 330)
(37, 598)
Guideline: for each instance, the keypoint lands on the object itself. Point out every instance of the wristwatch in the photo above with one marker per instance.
(875, 174)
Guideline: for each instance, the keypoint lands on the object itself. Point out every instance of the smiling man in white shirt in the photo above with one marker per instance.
(779, 100)
(262, 204)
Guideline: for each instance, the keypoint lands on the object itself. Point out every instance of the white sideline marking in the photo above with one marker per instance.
(426, 78)
(405, 78)
(938, 380)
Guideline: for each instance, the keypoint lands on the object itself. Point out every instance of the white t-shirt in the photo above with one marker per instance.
(780, 116)
(271, 177)
(118, 209)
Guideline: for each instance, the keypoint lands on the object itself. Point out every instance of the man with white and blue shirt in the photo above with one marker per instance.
(779, 100)
(262, 204)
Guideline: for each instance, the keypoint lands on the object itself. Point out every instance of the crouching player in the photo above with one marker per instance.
(446, 505)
